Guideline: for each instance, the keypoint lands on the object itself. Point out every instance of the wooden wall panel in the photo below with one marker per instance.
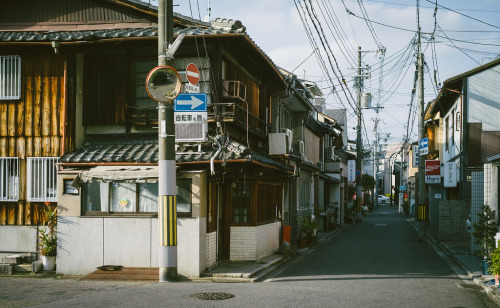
(33, 126)
(12, 147)
(3, 214)
(3, 119)
(37, 146)
(37, 102)
(11, 114)
(29, 146)
(29, 80)
(28, 214)
(20, 213)
(11, 214)
(4, 148)
(45, 105)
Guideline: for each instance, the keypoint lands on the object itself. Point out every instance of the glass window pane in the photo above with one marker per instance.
(123, 197)
(95, 197)
(184, 195)
(148, 197)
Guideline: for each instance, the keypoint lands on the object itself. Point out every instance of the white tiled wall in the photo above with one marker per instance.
(211, 248)
(254, 243)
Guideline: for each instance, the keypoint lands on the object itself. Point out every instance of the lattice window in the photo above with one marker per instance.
(42, 179)
(9, 179)
(10, 77)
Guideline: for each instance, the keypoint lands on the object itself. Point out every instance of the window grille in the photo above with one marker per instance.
(42, 179)
(10, 77)
(9, 179)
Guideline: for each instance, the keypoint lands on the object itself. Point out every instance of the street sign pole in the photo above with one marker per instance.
(167, 186)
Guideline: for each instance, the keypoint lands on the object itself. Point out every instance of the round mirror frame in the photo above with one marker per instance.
(163, 84)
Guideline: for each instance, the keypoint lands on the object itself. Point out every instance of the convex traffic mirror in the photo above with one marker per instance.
(163, 84)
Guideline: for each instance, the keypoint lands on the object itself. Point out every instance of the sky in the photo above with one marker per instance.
(466, 34)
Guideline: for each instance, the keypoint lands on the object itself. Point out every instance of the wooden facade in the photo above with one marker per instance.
(34, 125)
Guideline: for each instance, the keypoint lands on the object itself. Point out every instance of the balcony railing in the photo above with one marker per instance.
(237, 114)
(224, 112)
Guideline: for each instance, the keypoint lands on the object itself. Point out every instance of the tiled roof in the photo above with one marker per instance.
(144, 152)
(219, 26)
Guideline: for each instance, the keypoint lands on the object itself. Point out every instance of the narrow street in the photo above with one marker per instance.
(377, 263)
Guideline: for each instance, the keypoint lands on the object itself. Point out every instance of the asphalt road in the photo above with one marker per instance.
(377, 263)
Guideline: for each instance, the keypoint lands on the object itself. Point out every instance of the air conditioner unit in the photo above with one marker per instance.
(298, 147)
(278, 144)
(289, 136)
(234, 89)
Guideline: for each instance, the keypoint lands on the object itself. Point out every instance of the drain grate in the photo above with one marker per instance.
(469, 286)
(212, 296)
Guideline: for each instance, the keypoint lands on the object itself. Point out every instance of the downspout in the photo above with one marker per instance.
(465, 142)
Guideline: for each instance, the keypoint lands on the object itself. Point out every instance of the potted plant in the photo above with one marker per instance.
(484, 233)
(47, 239)
(308, 229)
(494, 265)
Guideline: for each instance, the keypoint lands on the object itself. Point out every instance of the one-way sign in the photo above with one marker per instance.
(424, 146)
(193, 102)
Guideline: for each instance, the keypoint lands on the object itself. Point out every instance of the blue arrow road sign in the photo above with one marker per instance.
(424, 146)
(191, 102)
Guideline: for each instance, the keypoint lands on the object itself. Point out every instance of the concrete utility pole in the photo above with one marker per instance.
(422, 237)
(359, 142)
(167, 186)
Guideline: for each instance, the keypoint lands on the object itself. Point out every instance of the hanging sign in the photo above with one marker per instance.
(351, 170)
(450, 175)
(432, 171)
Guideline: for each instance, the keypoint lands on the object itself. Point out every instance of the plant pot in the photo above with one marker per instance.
(49, 263)
(485, 265)
(302, 242)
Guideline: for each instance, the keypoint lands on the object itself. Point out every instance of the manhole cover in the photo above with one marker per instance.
(212, 296)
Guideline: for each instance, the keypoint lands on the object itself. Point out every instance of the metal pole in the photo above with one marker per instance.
(359, 193)
(167, 186)
(422, 237)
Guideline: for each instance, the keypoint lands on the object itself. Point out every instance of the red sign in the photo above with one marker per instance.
(432, 167)
(193, 74)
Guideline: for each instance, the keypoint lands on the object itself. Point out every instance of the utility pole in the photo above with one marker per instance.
(167, 185)
(375, 160)
(422, 237)
(359, 152)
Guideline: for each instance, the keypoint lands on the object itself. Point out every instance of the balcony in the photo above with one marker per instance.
(235, 113)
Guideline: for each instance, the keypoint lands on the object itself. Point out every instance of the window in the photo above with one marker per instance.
(184, 201)
(120, 197)
(242, 194)
(69, 189)
(10, 77)
(42, 179)
(9, 179)
(305, 190)
(268, 201)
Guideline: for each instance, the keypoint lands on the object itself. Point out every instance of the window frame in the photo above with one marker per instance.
(14, 87)
(36, 192)
(9, 172)
(136, 211)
